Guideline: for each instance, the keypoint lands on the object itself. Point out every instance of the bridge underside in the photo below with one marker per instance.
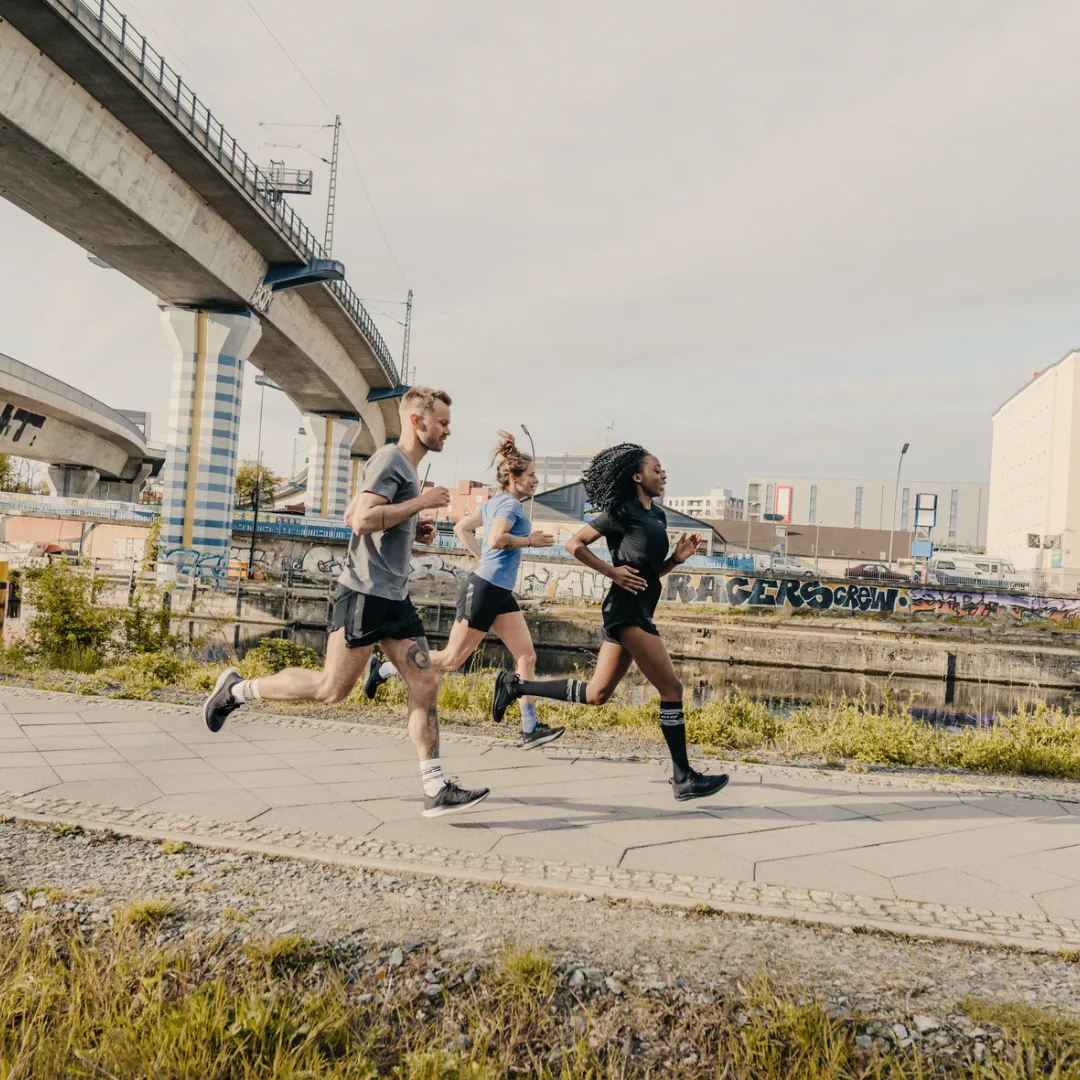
(71, 164)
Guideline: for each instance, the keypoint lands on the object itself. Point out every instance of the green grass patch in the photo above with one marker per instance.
(145, 915)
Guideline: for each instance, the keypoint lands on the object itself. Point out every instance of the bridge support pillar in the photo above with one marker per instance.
(329, 473)
(72, 481)
(356, 467)
(209, 351)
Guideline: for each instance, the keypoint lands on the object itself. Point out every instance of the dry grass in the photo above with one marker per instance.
(113, 1005)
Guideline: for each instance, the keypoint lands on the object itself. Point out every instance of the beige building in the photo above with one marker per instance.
(1034, 517)
(721, 504)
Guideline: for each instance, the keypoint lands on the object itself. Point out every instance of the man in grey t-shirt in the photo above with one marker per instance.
(372, 603)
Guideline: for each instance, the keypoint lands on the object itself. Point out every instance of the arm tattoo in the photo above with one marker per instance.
(418, 657)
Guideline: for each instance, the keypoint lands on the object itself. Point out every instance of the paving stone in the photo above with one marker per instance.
(959, 888)
(823, 872)
(27, 779)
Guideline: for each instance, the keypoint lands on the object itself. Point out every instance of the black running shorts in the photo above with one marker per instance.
(368, 619)
(480, 603)
(622, 609)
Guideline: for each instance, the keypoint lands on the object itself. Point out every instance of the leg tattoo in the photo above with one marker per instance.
(418, 657)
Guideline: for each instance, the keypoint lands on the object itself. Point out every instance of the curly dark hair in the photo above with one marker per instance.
(608, 480)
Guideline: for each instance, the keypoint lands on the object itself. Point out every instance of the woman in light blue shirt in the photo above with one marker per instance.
(486, 601)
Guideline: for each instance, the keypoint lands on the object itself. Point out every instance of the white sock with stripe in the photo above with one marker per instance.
(431, 776)
(246, 690)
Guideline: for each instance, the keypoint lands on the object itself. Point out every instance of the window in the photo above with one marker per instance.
(905, 508)
(770, 501)
(954, 502)
(813, 504)
(858, 507)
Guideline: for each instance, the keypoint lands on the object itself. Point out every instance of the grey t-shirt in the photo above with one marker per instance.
(378, 564)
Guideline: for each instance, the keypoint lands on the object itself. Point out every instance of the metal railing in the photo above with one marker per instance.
(122, 43)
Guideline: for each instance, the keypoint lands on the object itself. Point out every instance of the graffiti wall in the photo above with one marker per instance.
(438, 576)
(1017, 607)
(559, 581)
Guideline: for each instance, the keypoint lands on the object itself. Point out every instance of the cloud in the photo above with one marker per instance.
(780, 236)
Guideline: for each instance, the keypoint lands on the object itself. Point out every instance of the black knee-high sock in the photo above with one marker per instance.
(572, 690)
(673, 725)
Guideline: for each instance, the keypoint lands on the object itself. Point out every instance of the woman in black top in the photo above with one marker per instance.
(622, 483)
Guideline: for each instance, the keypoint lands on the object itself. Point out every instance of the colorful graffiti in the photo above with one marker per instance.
(795, 593)
(1018, 607)
(569, 583)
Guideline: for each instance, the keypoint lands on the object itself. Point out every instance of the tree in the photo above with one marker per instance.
(246, 476)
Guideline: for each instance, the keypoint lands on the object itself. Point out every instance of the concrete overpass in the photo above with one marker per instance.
(104, 142)
(92, 450)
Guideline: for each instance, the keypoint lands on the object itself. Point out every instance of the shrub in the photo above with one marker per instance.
(70, 626)
(276, 654)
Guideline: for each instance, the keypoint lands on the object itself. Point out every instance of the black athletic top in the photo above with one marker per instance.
(637, 538)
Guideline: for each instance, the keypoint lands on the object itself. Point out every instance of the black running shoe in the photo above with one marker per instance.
(506, 686)
(220, 703)
(372, 679)
(539, 736)
(451, 799)
(698, 786)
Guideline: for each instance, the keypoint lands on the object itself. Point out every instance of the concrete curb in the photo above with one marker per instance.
(937, 922)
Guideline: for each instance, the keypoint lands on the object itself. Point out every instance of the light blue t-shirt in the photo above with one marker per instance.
(500, 565)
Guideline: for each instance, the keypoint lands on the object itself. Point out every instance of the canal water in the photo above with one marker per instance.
(948, 703)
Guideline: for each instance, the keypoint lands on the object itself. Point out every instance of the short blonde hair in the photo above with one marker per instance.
(421, 400)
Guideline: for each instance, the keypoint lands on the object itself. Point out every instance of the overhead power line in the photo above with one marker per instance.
(374, 212)
(277, 41)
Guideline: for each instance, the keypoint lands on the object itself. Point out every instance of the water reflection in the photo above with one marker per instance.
(945, 703)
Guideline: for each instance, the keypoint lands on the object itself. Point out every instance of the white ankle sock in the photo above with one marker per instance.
(431, 776)
(246, 690)
(387, 670)
(528, 717)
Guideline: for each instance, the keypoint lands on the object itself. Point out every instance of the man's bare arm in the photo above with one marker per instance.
(370, 513)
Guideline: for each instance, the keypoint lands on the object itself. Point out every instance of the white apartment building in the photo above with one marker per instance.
(868, 504)
(557, 470)
(1034, 514)
(721, 504)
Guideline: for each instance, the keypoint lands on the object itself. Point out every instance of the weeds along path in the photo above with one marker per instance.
(256, 966)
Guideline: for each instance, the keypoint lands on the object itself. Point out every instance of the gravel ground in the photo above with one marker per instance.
(899, 989)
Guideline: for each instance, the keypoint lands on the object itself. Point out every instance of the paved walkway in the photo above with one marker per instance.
(889, 852)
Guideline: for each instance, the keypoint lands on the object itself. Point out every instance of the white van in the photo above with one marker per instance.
(982, 571)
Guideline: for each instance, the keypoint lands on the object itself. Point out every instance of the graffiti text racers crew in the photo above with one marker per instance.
(486, 600)
(622, 483)
(372, 602)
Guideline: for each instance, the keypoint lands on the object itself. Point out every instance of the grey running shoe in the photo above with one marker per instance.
(220, 703)
(372, 679)
(452, 799)
(506, 693)
(698, 786)
(539, 736)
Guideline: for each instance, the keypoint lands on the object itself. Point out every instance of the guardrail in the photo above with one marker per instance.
(124, 45)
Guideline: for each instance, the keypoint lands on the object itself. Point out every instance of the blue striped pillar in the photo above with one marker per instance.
(329, 473)
(209, 350)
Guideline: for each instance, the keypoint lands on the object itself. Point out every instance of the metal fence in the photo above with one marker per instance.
(123, 44)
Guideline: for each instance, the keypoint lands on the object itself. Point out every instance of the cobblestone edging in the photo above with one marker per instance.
(906, 917)
(959, 784)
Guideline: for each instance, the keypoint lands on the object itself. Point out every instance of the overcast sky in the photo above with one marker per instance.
(779, 237)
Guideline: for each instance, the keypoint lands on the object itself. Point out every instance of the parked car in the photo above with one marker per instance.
(877, 571)
(976, 571)
(786, 566)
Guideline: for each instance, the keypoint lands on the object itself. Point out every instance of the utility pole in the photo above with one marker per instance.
(896, 489)
(405, 344)
(331, 195)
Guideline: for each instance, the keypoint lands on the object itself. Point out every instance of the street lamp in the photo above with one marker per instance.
(896, 490)
(263, 382)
